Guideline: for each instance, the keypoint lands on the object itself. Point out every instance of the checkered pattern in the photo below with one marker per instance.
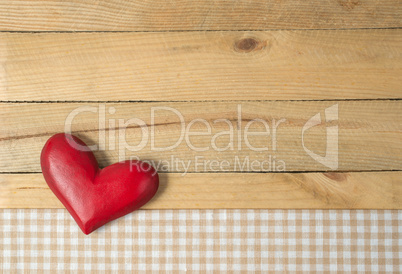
(47, 240)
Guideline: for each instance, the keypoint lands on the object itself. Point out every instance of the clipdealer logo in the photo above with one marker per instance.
(330, 159)
(237, 136)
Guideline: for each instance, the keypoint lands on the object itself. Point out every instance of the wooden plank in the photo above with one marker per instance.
(356, 190)
(120, 15)
(369, 134)
(271, 65)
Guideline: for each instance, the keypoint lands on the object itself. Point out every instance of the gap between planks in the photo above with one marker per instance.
(360, 190)
(190, 31)
(192, 101)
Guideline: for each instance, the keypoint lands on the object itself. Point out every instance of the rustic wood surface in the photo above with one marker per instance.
(356, 190)
(137, 15)
(369, 133)
(277, 59)
(271, 65)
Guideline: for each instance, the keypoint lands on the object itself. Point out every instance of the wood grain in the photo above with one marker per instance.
(381, 190)
(120, 15)
(369, 134)
(180, 66)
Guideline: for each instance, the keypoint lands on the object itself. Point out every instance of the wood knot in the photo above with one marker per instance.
(336, 176)
(248, 45)
(349, 4)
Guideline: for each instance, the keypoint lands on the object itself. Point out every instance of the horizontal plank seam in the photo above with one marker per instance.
(242, 172)
(189, 101)
(159, 31)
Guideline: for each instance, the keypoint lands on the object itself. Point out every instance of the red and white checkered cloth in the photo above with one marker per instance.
(48, 240)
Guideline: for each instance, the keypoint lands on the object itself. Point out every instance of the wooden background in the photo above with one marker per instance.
(277, 59)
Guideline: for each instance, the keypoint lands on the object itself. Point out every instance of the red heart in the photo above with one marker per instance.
(94, 196)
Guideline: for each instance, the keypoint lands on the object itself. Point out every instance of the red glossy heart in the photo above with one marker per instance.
(94, 196)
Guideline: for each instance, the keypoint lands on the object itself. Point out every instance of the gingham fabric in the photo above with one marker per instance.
(48, 240)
